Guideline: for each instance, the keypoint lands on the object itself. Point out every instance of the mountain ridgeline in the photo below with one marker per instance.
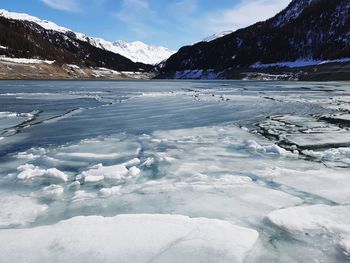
(27, 39)
(305, 30)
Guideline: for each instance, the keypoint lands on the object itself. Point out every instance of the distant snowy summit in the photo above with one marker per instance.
(140, 52)
(136, 51)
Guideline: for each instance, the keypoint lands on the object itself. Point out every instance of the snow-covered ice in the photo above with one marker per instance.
(330, 222)
(16, 210)
(130, 238)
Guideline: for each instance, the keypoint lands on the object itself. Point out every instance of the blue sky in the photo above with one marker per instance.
(171, 23)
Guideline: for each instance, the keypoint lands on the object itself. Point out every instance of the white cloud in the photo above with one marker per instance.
(138, 16)
(65, 5)
(246, 13)
(183, 7)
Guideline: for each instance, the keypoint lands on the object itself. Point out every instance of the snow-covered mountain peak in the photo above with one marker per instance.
(25, 17)
(120, 43)
(138, 51)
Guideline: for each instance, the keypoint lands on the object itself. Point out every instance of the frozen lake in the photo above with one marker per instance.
(174, 171)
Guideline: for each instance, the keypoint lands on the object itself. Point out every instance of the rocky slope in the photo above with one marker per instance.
(307, 32)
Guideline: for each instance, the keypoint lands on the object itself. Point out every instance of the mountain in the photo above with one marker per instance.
(306, 32)
(27, 37)
(136, 51)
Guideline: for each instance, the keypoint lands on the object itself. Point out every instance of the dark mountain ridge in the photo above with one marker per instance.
(26, 39)
(305, 30)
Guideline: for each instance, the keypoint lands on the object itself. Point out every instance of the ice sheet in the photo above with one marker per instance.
(216, 150)
(331, 184)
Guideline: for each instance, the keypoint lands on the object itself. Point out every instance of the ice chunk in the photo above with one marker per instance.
(130, 238)
(57, 174)
(345, 244)
(149, 162)
(273, 149)
(334, 154)
(320, 140)
(17, 210)
(134, 172)
(93, 178)
(115, 172)
(29, 172)
(133, 162)
(106, 192)
(52, 192)
(316, 220)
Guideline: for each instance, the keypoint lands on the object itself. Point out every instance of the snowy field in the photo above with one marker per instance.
(174, 171)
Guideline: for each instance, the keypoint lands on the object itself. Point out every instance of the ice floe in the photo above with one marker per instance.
(330, 184)
(320, 140)
(130, 238)
(316, 220)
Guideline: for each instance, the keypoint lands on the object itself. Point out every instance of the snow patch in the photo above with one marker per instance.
(26, 60)
(298, 63)
(209, 74)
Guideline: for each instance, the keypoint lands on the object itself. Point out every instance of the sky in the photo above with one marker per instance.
(170, 23)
